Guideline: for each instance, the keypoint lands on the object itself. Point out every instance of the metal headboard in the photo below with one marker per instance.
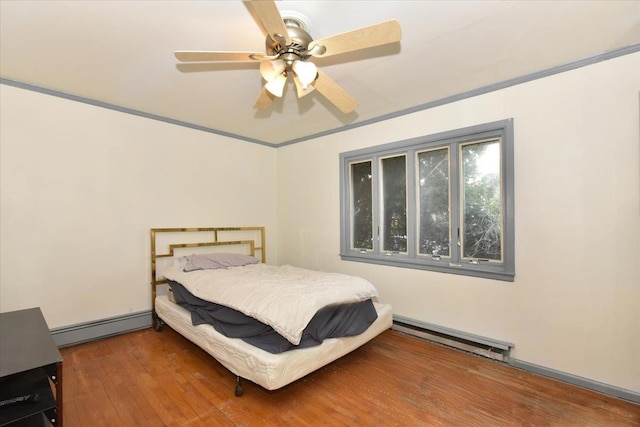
(214, 236)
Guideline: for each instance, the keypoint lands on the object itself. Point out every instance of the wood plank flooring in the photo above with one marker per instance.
(146, 378)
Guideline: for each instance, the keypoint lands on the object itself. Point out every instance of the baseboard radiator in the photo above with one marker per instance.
(95, 330)
(483, 346)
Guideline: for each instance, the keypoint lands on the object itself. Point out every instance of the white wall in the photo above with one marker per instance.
(81, 186)
(575, 302)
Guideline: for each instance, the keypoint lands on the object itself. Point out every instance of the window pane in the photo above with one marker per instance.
(361, 206)
(394, 210)
(433, 202)
(482, 210)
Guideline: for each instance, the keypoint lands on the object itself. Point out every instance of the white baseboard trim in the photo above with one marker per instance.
(577, 381)
(91, 331)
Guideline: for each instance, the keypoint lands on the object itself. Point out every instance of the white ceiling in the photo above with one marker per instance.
(120, 54)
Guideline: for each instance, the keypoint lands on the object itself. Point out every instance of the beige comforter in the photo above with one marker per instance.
(284, 297)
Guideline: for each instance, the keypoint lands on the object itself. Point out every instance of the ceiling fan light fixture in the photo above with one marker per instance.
(276, 85)
(306, 72)
(272, 69)
(289, 48)
(300, 90)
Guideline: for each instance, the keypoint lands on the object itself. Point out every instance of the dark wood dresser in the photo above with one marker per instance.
(30, 371)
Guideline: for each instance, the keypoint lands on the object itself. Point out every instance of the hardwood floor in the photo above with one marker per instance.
(147, 378)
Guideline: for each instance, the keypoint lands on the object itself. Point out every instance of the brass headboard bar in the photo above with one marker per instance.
(216, 242)
(195, 245)
(193, 229)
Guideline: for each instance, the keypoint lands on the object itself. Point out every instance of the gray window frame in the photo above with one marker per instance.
(499, 271)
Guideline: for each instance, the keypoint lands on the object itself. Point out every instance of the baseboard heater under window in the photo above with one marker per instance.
(483, 346)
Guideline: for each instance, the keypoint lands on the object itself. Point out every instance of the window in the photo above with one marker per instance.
(441, 202)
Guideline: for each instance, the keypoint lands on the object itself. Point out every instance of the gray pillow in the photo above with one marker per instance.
(215, 261)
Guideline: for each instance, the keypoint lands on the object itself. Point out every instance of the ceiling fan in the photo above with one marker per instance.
(289, 48)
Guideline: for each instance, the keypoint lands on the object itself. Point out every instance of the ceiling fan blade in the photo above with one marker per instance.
(335, 93)
(271, 19)
(264, 100)
(218, 56)
(362, 38)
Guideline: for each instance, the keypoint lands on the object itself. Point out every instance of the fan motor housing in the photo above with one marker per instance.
(298, 47)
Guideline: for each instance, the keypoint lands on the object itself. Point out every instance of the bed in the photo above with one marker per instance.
(269, 368)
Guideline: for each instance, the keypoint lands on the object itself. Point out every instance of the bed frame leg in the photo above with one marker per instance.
(157, 322)
(239, 390)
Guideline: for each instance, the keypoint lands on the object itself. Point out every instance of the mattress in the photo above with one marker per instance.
(271, 371)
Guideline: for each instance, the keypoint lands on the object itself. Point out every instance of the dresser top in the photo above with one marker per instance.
(25, 342)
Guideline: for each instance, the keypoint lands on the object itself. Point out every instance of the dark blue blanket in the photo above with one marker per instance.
(330, 322)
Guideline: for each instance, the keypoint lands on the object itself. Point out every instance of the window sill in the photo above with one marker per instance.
(485, 271)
